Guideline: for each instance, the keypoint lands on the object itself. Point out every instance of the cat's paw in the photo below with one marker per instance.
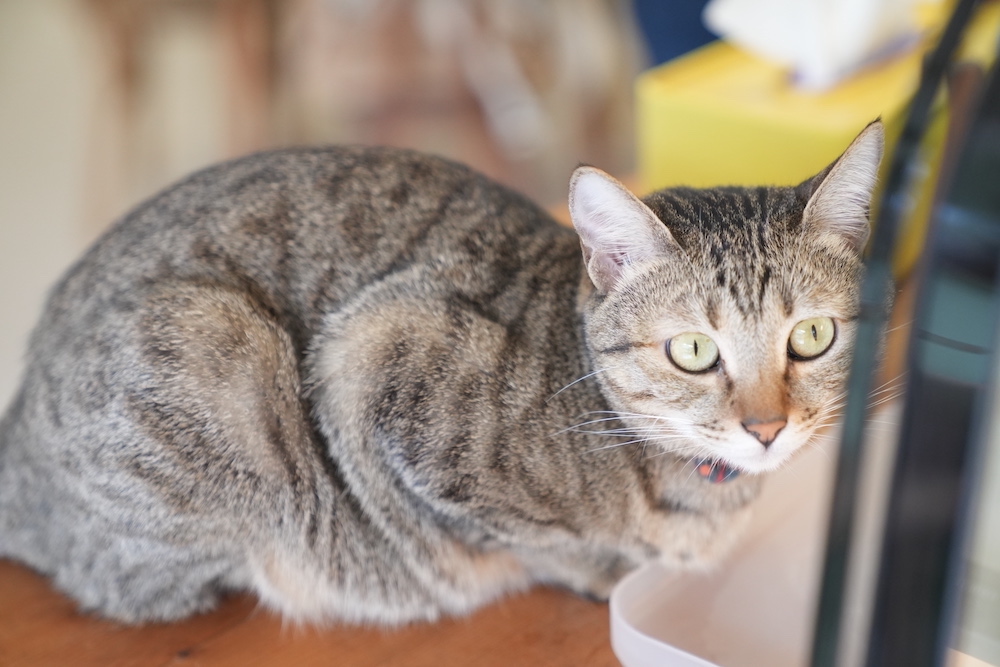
(598, 593)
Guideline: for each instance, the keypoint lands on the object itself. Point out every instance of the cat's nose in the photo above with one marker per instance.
(765, 431)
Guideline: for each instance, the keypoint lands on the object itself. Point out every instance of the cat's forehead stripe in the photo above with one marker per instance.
(736, 234)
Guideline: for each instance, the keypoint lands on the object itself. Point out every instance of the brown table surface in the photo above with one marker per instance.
(39, 626)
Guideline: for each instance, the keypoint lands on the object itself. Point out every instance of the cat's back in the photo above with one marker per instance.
(304, 229)
(283, 240)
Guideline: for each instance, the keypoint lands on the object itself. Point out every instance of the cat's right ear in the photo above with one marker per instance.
(616, 229)
(840, 195)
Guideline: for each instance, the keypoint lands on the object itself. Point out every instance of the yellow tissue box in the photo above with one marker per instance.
(719, 116)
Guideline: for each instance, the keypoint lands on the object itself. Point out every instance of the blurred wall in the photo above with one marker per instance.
(103, 102)
(48, 90)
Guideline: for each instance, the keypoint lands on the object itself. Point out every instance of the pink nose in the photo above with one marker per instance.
(767, 431)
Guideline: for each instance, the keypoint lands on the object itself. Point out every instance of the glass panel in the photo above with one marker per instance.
(978, 633)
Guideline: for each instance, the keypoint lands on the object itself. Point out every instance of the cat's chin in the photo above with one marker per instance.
(761, 463)
(749, 457)
(760, 467)
(752, 460)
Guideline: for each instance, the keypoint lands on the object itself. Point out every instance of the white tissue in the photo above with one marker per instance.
(821, 41)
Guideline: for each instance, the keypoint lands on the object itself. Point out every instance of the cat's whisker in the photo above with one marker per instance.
(581, 428)
(825, 418)
(692, 471)
(834, 412)
(640, 434)
(636, 415)
(597, 421)
(891, 393)
(901, 325)
(630, 442)
(692, 449)
(651, 417)
(891, 383)
(886, 422)
(838, 399)
(832, 407)
(834, 403)
(817, 442)
(612, 446)
(667, 438)
(578, 428)
(822, 438)
(656, 439)
(886, 399)
(829, 422)
(831, 411)
(788, 469)
(660, 423)
(822, 429)
(586, 427)
(580, 379)
(688, 465)
(649, 426)
(824, 449)
(888, 391)
(643, 434)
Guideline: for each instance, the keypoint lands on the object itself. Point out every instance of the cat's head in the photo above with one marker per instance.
(721, 321)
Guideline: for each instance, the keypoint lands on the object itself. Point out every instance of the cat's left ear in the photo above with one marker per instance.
(616, 228)
(840, 195)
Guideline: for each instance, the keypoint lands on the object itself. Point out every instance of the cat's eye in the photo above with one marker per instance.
(811, 338)
(693, 352)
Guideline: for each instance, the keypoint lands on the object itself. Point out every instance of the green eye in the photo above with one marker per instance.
(811, 338)
(693, 352)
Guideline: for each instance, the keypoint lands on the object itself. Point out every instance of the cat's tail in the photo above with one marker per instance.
(8, 485)
(6, 421)
(5, 436)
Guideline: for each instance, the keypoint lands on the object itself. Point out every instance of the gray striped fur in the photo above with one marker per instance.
(344, 379)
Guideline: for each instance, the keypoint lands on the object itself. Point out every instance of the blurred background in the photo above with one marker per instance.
(104, 102)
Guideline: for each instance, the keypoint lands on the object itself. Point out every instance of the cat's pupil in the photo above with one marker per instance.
(815, 334)
(696, 348)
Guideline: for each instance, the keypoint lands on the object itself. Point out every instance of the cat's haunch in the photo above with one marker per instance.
(372, 385)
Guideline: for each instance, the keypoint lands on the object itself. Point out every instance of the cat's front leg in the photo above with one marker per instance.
(695, 540)
(589, 573)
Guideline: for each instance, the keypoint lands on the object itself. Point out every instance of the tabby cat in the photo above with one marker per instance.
(374, 386)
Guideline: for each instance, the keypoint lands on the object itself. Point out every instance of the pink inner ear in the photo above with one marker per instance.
(841, 201)
(616, 257)
(615, 227)
(605, 269)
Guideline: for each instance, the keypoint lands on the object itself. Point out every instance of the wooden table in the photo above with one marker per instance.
(39, 626)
